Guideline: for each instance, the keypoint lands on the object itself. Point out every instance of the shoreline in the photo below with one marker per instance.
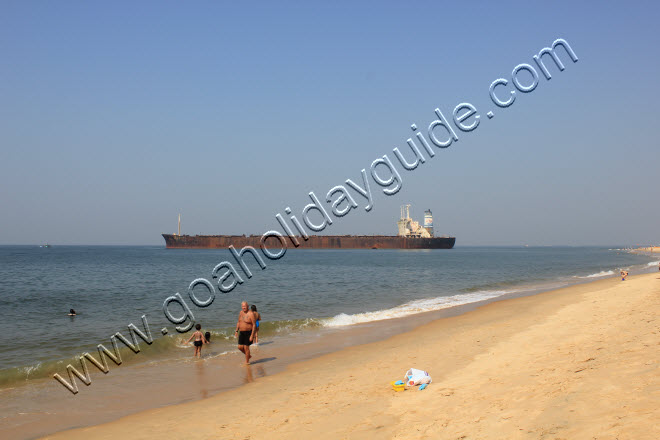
(308, 396)
(649, 249)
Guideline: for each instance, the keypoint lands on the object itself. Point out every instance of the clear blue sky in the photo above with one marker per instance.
(117, 116)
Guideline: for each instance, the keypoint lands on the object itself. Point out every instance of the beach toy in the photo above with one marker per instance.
(416, 377)
(423, 386)
(398, 386)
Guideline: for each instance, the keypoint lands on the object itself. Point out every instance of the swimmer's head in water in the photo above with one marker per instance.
(72, 312)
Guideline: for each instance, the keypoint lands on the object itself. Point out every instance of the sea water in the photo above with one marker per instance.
(302, 296)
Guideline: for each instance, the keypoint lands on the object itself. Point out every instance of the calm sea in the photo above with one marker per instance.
(305, 291)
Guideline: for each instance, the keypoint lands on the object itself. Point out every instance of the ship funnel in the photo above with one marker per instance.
(428, 221)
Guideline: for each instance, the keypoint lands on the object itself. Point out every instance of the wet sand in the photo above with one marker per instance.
(578, 362)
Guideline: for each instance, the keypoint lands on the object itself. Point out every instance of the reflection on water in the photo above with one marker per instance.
(248, 375)
(200, 369)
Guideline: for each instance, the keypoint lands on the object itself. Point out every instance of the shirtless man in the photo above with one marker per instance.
(245, 328)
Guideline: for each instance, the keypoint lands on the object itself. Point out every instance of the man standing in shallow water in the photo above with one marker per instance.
(245, 328)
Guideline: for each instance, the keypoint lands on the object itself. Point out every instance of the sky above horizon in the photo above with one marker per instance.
(118, 116)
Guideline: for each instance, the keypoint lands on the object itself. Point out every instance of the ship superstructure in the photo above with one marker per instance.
(410, 228)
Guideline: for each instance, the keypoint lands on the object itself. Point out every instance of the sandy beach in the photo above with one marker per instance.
(574, 363)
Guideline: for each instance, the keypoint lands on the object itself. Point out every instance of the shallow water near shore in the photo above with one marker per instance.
(312, 302)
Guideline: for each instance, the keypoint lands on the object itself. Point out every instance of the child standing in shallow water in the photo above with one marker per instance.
(199, 340)
(257, 318)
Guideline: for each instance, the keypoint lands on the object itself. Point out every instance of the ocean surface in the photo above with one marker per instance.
(303, 295)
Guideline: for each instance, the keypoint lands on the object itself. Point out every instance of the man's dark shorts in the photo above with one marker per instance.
(244, 337)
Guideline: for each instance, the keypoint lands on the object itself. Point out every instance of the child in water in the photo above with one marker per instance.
(257, 318)
(199, 340)
(207, 335)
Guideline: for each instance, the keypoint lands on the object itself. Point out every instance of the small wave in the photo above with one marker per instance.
(288, 326)
(215, 355)
(602, 273)
(413, 307)
(653, 263)
(31, 369)
(22, 374)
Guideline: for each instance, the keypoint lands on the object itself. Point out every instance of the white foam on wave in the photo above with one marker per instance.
(30, 369)
(653, 263)
(181, 343)
(602, 273)
(205, 356)
(412, 307)
(289, 326)
(215, 355)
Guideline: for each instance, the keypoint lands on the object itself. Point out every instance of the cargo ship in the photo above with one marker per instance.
(411, 235)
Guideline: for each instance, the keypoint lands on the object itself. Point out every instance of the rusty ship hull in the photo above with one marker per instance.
(174, 241)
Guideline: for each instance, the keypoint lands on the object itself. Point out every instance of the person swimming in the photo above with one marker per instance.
(72, 312)
(207, 335)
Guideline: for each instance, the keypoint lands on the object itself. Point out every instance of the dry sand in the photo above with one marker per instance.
(575, 363)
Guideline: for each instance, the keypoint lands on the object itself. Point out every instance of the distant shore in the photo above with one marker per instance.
(652, 249)
(578, 362)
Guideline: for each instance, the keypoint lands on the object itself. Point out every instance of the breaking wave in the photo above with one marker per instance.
(412, 307)
(602, 273)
